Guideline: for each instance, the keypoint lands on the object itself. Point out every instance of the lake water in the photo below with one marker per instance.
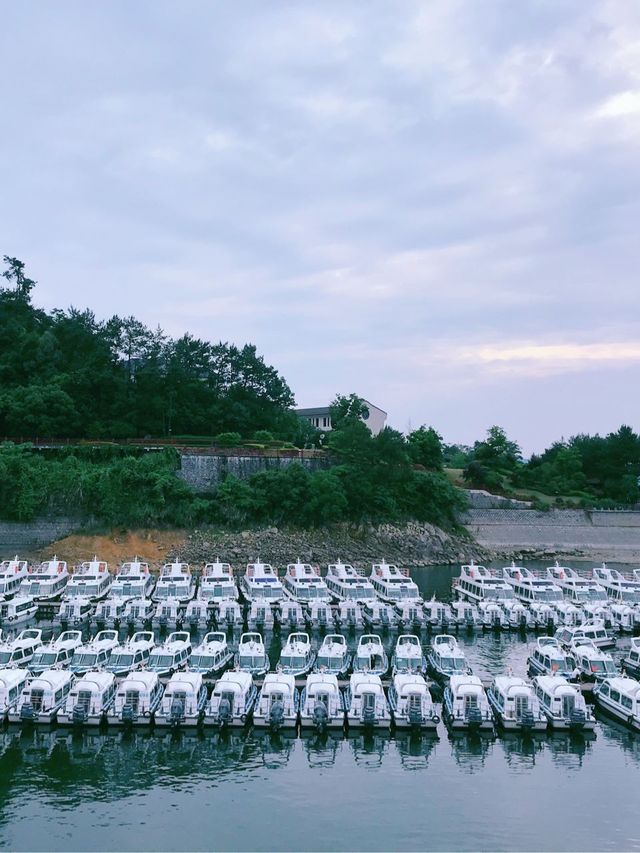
(143, 791)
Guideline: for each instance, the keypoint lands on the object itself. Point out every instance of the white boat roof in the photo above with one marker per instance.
(322, 679)
(404, 681)
(512, 685)
(251, 641)
(369, 640)
(11, 677)
(135, 568)
(279, 679)
(212, 642)
(296, 643)
(588, 650)
(186, 679)
(217, 569)
(12, 567)
(359, 680)
(628, 686)
(66, 640)
(51, 679)
(236, 680)
(95, 679)
(19, 599)
(142, 679)
(556, 685)
(458, 681)
(408, 641)
(332, 640)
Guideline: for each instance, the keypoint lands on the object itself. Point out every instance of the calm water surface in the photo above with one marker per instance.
(254, 791)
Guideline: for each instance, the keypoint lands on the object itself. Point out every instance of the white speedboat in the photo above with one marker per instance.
(569, 614)
(74, 611)
(345, 582)
(465, 704)
(138, 612)
(183, 701)
(549, 658)
(410, 615)
(477, 583)
(212, 656)
(175, 581)
(12, 682)
(515, 704)
(545, 616)
(169, 614)
(89, 700)
(563, 704)
(576, 588)
(591, 632)
(334, 657)
(319, 614)
(91, 580)
(46, 582)
(464, 615)
(20, 650)
(43, 697)
(94, 654)
(624, 617)
(133, 580)
(12, 573)
(252, 656)
(260, 615)
(408, 655)
(132, 655)
(370, 655)
(393, 584)
(17, 610)
(348, 614)
(436, 614)
(620, 697)
(304, 584)
(260, 582)
(198, 614)
(322, 704)
(57, 653)
(379, 616)
(232, 700)
(624, 595)
(411, 703)
(278, 702)
(518, 615)
(291, 615)
(598, 611)
(228, 614)
(538, 593)
(631, 661)
(446, 658)
(493, 615)
(172, 656)
(137, 700)
(593, 663)
(297, 656)
(109, 612)
(217, 583)
(366, 703)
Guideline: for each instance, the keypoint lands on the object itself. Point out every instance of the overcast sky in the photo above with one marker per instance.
(434, 204)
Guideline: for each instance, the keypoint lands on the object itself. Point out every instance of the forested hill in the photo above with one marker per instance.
(65, 373)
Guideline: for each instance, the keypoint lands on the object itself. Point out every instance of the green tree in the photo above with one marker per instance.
(425, 448)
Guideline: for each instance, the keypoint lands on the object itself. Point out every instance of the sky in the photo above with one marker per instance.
(432, 204)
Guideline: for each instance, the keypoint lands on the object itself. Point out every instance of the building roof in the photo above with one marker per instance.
(325, 410)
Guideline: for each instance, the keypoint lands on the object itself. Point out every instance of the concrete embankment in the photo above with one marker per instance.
(599, 535)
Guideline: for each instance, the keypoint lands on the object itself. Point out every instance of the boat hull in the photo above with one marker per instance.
(404, 724)
(265, 723)
(66, 719)
(561, 724)
(307, 723)
(380, 723)
(618, 714)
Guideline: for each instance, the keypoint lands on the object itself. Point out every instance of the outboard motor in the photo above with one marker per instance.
(527, 720)
(523, 620)
(320, 716)
(495, 619)
(415, 717)
(176, 712)
(276, 716)
(369, 717)
(27, 713)
(79, 716)
(474, 718)
(127, 716)
(577, 718)
(224, 713)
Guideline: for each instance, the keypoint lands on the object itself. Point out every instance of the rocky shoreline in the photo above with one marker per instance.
(405, 545)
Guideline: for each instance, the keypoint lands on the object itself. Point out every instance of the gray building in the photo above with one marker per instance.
(320, 417)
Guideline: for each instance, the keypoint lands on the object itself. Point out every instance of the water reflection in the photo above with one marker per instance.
(414, 749)
(369, 748)
(522, 749)
(470, 750)
(321, 749)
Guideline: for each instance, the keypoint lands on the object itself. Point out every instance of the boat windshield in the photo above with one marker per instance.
(81, 589)
(292, 661)
(330, 662)
(598, 666)
(172, 590)
(597, 595)
(260, 591)
(85, 659)
(498, 594)
(452, 663)
(202, 661)
(548, 595)
(252, 661)
(123, 659)
(160, 661)
(5, 656)
(362, 592)
(630, 596)
(44, 658)
(402, 592)
(315, 592)
(217, 590)
(408, 663)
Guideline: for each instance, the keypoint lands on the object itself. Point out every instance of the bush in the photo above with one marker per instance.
(228, 439)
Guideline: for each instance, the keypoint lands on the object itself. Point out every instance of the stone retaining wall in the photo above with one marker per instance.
(16, 536)
(204, 472)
